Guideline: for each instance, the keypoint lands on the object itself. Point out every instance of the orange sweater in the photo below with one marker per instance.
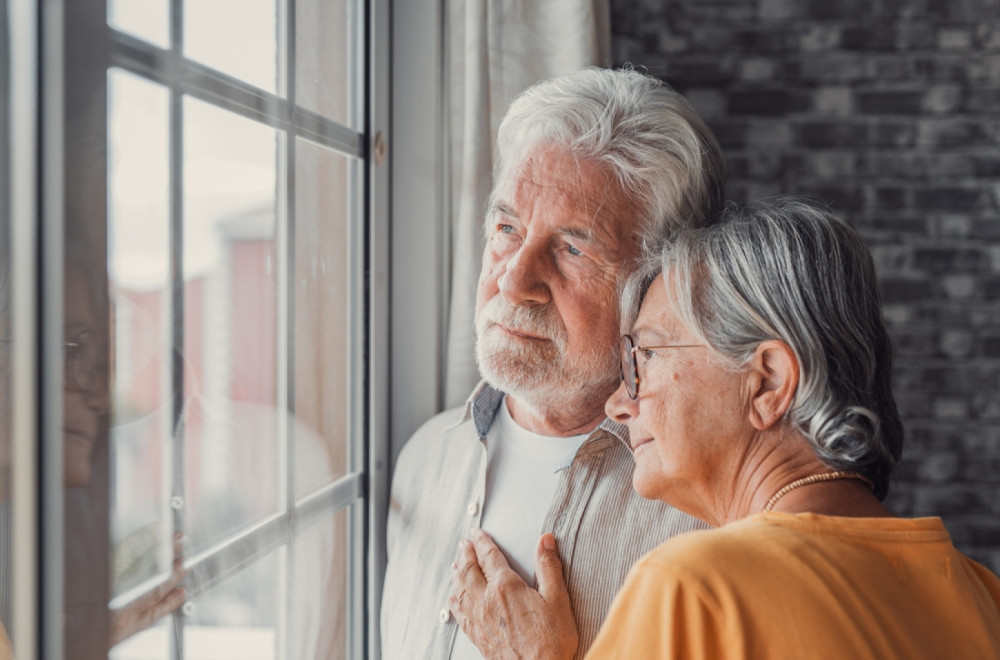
(781, 585)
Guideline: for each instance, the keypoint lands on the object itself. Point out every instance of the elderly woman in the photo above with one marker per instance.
(757, 393)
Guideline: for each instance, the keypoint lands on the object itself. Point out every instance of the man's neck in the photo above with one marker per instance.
(555, 421)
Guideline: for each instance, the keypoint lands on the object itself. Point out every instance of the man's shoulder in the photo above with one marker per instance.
(439, 437)
(441, 425)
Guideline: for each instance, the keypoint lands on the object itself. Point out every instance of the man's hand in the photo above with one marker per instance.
(148, 608)
(503, 616)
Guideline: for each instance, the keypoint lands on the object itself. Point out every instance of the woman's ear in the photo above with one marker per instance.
(772, 378)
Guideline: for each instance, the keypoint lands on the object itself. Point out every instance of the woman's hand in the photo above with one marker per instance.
(503, 616)
(148, 608)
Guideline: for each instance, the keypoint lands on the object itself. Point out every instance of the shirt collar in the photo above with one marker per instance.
(484, 402)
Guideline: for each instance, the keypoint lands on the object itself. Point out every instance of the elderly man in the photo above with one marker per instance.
(592, 169)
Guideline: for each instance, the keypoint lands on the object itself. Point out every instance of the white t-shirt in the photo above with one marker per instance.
(521, 474)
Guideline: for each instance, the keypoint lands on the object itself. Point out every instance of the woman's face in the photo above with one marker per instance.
(689, 425)
(85, 393)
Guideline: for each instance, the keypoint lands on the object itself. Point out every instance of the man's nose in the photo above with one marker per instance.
(620, 406)
(99, 397)
(525, 277)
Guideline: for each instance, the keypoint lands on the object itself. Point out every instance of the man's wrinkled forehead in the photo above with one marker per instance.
(584, 187)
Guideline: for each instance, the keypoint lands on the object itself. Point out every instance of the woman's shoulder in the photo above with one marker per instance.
(714, 549)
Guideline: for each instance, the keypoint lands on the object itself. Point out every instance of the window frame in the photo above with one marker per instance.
(363, 491)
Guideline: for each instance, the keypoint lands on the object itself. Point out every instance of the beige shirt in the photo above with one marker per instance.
(601, 525)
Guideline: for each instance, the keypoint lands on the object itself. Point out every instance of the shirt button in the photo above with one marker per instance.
(473, 508)
(444, 616)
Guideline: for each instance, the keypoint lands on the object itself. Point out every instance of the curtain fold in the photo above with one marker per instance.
(495, 49)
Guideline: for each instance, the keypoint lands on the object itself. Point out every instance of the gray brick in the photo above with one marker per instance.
(767, 102)
(820, 9)
(869, 38)
(820, 37)
(757, 69)
(955, 38)
(954, 198)
(893, 134)
(939, 133)
(950, 259)
(942, 100)
(905, 102)
(771, 10)
(827, 133)
(767, 135)
(834, 101)
(957, 343)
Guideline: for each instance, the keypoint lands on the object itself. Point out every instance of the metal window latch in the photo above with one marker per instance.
(379, 147)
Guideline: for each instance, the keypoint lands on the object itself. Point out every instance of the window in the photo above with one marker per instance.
(215, 214)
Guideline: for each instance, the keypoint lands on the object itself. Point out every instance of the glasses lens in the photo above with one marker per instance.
(630, 373)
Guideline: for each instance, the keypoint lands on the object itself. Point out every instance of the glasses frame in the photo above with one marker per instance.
(626, 356)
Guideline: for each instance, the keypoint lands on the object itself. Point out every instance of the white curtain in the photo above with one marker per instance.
(495, 50)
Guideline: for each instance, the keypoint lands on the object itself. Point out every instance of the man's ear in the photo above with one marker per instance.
(772, 379)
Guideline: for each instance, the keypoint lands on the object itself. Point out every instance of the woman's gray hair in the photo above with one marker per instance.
(654, 143)
(786, 269)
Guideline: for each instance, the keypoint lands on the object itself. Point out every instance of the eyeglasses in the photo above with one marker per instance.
(630, 367)
(80, 362)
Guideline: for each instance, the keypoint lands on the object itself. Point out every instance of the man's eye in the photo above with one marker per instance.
(646, 354)
(573, 250)
(505, 229)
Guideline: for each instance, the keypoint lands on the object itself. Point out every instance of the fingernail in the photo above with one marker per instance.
(549, 542)
(476, 531)
(463, 544)
(454, 565)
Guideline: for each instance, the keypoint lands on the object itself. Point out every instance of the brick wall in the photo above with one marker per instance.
(890, 111)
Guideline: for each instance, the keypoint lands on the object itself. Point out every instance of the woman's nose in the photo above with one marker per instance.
(620, 406)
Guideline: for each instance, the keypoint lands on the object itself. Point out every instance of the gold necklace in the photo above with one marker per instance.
(813, 479)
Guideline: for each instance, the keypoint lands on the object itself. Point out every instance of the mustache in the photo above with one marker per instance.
(540, 320)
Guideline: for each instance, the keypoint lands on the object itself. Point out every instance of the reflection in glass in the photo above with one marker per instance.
(146, 19)
(327, 55)
(237, 37)
(237, 618)
(322, 270)
(230, 323)
(138, 256)
(319, 592)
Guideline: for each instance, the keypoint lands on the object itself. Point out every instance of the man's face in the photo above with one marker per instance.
(559, 231)
(82, 408)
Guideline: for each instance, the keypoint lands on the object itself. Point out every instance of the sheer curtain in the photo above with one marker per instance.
(495, 50)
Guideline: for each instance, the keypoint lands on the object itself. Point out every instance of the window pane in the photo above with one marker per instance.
(237, 37)
(237, 618)
(138, 255)
(327, 54)
(319, 593)
(146, 19)
(150, 644)
(231, 447)
(322, 318)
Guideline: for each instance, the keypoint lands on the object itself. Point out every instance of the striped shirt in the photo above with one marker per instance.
(601, 525)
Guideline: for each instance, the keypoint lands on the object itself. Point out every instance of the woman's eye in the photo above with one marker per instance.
(505, 229)
(647, 354)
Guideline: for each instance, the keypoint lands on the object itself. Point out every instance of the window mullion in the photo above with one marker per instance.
(176, 216)
(286, 282)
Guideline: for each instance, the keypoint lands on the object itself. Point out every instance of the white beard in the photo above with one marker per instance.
(539, 373)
